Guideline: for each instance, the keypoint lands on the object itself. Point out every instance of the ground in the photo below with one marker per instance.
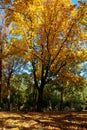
(43, 121)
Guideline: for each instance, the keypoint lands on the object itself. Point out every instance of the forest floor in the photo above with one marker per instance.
(43, 121)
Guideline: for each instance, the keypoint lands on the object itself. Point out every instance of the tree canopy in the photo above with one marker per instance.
(50, 35)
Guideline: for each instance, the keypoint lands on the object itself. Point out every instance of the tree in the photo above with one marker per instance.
(1, 48)
(12, 66)
(5, 27)
(51, 34)
(66, 84)
(84, 22)
(21, 90)
(3, 35)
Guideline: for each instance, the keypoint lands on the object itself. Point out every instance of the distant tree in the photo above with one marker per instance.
(4, 31)
(11, 66)
(5, 26)
(21, 90)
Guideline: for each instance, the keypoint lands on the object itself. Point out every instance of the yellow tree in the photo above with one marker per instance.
(51, 38)
(84, 22)
(4, 32)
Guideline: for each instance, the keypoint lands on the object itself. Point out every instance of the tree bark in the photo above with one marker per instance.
(40, 100)
(8, 98)
(0, 77)
(0, 82)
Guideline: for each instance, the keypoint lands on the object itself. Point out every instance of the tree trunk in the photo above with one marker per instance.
(8, 98)
(1, 50)
(40, 100)
(0, 78)
(0, 82)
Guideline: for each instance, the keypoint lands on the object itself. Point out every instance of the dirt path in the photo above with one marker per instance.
(43, 121)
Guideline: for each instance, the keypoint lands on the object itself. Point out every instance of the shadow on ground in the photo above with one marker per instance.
(43, 121)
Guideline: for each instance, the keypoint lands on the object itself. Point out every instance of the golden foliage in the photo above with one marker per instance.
(52, 34)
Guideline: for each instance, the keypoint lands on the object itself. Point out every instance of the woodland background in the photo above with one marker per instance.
(43, 55)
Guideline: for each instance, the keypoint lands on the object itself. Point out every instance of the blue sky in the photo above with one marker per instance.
(76, 2)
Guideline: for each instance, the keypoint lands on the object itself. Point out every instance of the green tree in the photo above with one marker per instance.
(21, 87)
(12, 66)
